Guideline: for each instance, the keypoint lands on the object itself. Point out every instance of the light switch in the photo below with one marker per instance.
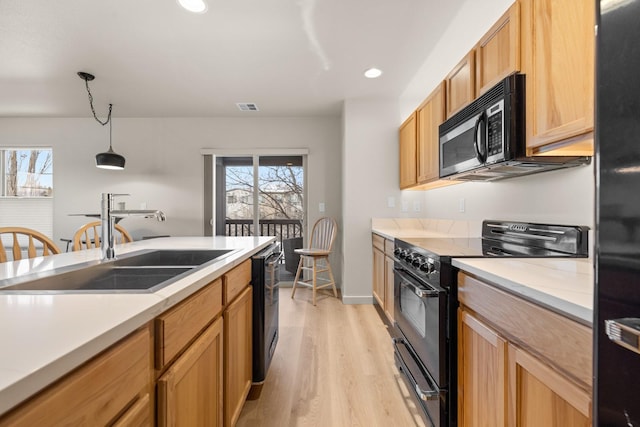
(405, 206)
(416, 205)
(321, 206)
(461, 205)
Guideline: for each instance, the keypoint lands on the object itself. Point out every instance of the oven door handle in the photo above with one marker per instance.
(277, 256)
(425, 391)
(407, 282)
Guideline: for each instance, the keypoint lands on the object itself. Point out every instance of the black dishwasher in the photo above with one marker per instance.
(265, 279)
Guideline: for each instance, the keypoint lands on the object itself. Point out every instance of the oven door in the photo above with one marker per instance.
(421, 313)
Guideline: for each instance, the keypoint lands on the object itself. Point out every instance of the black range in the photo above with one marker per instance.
(425, 292)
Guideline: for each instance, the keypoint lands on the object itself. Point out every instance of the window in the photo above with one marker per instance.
(26, 188)
(26, 172)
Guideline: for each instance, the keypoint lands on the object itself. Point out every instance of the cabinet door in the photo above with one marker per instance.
(388, 289)
(378, 276)
(190, 391)
(498, 52)
(558, 58)
(460, 85)
(482, 370)
(408, 152)
(430, 115)
(237, 355)
(542, 397)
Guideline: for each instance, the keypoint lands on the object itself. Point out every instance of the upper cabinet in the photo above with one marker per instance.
(429, 116)
(558, 58)
(498, 52)
(460, 84)
(408, 152)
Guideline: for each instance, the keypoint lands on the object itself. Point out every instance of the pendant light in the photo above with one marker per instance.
(109, 159)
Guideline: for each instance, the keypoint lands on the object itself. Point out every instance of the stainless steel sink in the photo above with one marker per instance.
(143, 271)
(192, 258)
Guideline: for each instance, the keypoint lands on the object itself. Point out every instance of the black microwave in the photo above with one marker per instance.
(487, 139)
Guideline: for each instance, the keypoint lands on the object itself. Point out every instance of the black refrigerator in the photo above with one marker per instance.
(617, 272)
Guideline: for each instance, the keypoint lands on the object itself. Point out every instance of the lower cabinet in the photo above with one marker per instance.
(505, 374)
(237, 355)
(482, 374)
(383, 274)
(190, 391)
(111, 389)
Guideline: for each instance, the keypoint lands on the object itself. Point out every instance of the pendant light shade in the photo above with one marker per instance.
(109, 159)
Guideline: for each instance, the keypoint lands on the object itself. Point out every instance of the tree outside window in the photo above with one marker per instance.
(26, 172)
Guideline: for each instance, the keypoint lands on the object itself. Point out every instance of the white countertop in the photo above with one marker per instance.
(46, 335)
(565, 286)
(398, 228)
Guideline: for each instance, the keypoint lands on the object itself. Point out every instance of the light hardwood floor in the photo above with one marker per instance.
(333, 367)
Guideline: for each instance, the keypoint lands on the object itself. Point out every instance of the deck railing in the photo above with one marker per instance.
(281, 228)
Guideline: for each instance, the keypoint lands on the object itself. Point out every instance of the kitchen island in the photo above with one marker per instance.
(45, 335)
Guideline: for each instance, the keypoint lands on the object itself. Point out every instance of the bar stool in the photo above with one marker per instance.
(322, 238)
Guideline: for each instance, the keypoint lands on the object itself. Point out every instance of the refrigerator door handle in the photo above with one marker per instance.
(624, 332)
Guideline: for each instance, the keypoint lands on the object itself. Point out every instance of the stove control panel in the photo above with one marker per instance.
(420, 262)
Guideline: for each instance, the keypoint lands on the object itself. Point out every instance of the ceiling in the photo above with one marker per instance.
(151, 58)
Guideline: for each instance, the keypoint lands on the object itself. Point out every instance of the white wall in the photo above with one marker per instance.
(164, 166)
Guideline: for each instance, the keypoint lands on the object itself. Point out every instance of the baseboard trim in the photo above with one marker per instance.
(357, 299)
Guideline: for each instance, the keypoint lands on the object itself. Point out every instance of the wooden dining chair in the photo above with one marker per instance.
(316, 258)
(88, 236)
(32, 251)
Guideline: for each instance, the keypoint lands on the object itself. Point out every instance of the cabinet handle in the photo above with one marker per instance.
(624, 332)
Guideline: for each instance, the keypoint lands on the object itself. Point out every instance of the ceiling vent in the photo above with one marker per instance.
(247, 106)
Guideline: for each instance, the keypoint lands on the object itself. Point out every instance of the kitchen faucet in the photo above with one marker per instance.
(108, 216)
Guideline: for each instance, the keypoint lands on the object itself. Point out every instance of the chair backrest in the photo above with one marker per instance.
(48, 247)
(323, 234)
(88, 236)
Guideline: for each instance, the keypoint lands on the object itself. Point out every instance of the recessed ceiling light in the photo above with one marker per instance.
(373, 73)
(195, 6)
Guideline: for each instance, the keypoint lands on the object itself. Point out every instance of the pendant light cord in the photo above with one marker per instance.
(86, 82)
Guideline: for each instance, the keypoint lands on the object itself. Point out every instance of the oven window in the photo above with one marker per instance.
(413, 310)
(459, 149)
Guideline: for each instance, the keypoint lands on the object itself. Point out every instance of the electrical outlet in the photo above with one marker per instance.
(321, 206)
(416, 205)
(143, 206)
(405, 206)
(391, 202)
(461, 205)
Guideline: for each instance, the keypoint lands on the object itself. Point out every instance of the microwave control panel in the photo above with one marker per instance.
(494, 134)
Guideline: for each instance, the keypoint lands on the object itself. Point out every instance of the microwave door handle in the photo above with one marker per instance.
(480, 125)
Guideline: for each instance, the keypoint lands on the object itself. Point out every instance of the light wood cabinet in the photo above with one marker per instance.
(108, 389)
(542, 397)
(498, 51)
(176, 328)
(545, 358)
(389, 283)
(460, 84)
(237, 355)
(378, 270)
(407, 140)
(558, 59)
(383, 275)
(190, 391)
(430, 115)
(482, 374)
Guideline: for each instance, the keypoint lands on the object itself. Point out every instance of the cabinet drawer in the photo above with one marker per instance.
(180, 325)
(378, 242)
(236, 280)
(94, 394)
